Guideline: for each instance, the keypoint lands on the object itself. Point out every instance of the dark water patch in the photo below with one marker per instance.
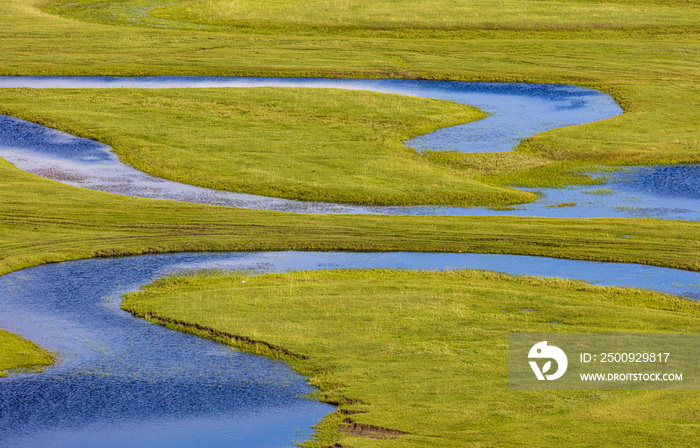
(665, 181)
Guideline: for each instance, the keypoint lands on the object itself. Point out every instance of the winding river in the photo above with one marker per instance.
(122, 381)
(516, 111)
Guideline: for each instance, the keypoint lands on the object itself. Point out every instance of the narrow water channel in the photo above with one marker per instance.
(516, 111)
(121, 381)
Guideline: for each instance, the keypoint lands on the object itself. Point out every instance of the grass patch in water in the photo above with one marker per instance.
(424, 353)
(600, 191)
(296, 143)
(562, 205)
(20, 355)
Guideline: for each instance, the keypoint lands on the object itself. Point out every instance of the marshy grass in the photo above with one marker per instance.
(599, 191)
(562, 205)
(19, 355)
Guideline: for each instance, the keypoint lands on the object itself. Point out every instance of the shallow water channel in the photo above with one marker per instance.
(516, 111)
(122, 381)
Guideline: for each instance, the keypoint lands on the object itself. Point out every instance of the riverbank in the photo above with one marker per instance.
(363, 336)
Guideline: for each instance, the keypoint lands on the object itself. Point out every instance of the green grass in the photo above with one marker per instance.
(43, 221)
(355, 16)
(562, 205)
(304, 144)
(426, 352)
(600, 191)
(17, 354)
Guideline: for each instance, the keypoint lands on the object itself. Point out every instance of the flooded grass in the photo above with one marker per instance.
(600, 191)
(19, 355)
(563, 204)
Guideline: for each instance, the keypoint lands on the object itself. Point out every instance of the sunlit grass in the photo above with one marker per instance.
(17, 354)
(358, 15)
(305, 144)
(426, 352)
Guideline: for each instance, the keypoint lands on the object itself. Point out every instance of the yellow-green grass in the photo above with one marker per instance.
(304, 144)
(651, 71)
(425, 353)
(17, 354)
(361, 15)
(43, 221)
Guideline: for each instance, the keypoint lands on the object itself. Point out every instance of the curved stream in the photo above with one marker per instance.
(122, 381)
(516, 111)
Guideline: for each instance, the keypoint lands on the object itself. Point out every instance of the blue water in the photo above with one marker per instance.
(121, 381)
(516, 111)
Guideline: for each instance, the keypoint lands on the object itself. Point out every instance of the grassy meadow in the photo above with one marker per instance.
(304, 144)
(369, 334)
(425, 353)
(357, 16)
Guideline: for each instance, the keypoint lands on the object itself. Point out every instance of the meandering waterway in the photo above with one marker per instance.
(121, 381)
(516, 111)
